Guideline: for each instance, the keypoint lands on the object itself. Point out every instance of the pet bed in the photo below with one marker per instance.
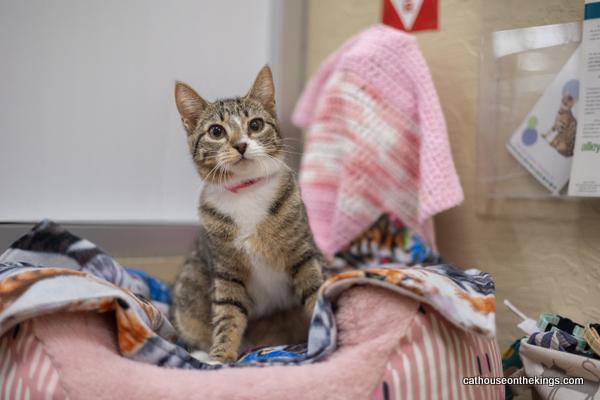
(76, 325)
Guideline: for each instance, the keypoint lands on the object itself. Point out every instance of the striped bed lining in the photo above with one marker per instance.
(26, 370)
(432, 359)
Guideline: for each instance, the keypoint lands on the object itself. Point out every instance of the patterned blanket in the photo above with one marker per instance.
(50, 270)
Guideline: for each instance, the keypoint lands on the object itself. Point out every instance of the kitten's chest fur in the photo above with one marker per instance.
(269, 285)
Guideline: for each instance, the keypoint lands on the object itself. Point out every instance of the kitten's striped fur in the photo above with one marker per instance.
(256, 269)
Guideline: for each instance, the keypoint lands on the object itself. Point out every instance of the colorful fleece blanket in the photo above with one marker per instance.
(50, 270)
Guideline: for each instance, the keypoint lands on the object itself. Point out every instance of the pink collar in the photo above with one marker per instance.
(243, 185)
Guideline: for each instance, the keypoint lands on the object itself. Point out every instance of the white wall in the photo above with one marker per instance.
(88, 126)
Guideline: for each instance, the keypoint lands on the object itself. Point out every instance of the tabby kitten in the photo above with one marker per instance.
(562, 134)
(256, 269)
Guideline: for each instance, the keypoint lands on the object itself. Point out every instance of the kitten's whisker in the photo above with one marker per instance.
(289, 146)
(217, 168)
(285, 146)
(284, 150)
(223, 176)
(278, 144)
(262, 166)
(292, 139)
(291, 152)
(211, 171)
(218, 177)
(279, 161)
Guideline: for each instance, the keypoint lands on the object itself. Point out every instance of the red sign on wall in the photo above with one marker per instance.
(410, 15)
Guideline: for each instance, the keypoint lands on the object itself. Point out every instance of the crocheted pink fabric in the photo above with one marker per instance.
(376, 140)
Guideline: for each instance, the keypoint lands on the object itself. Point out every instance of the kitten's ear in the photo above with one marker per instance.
(189, 105)
(263, 89)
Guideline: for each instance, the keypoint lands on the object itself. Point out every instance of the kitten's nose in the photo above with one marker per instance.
(241, 147)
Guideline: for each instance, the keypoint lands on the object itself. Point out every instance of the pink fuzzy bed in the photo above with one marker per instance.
(80, 350)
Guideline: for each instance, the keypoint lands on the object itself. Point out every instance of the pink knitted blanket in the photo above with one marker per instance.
(376, 140)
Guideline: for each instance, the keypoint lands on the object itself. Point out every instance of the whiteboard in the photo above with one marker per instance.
(88, 126)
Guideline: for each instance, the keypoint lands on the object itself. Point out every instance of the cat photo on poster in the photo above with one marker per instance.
(544, 141)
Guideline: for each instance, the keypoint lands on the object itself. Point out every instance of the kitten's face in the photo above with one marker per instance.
(233, 139)
(568, 102)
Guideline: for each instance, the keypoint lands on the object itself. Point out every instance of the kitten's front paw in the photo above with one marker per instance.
(200, 355)
(223, 355)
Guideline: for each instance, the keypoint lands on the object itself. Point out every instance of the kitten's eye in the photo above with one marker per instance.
(216, 131)
(256, 125)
